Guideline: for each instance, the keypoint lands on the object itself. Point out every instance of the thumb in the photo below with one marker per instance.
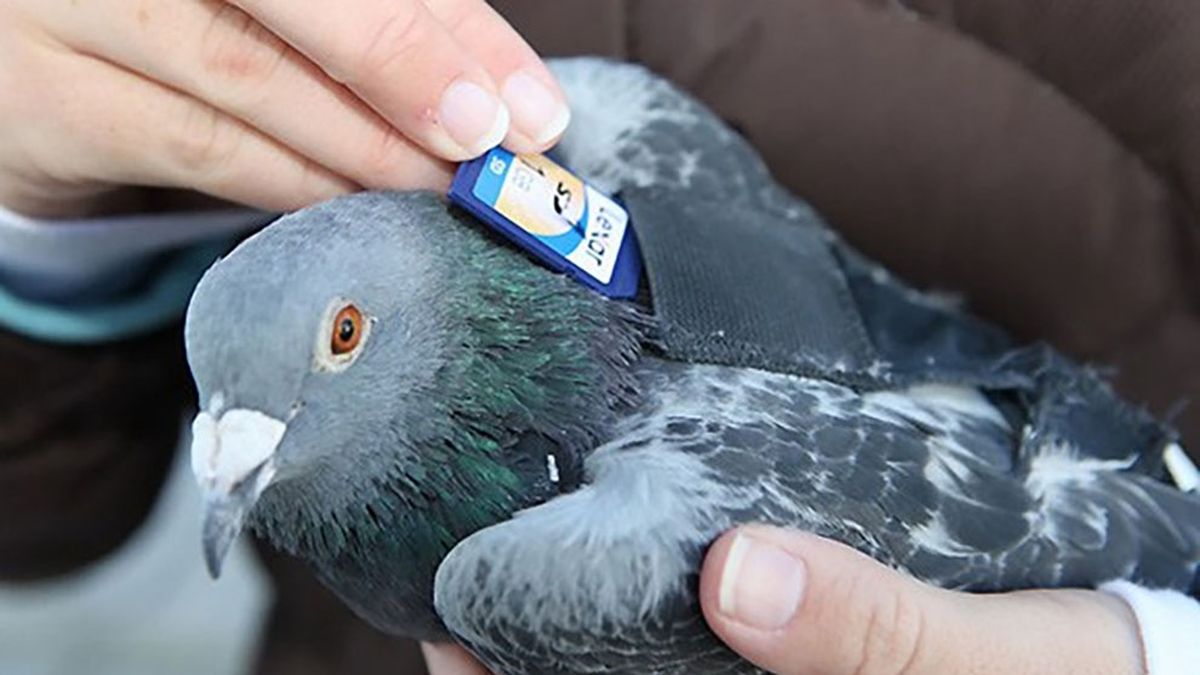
(797, 604)
(445, 658)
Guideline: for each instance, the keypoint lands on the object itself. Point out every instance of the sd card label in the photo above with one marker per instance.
(551, 204)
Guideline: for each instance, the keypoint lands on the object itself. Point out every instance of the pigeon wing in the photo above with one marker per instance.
(926, 479)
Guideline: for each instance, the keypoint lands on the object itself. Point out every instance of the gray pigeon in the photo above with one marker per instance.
(464, 444)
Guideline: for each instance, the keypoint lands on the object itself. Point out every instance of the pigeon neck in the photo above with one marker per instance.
(534, 366)
(535, 353)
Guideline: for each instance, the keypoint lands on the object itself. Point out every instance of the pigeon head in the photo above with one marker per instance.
(359, 361)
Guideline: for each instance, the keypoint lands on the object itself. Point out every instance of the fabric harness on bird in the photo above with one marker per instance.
(732, 282)
(749, 282)
(512, 459)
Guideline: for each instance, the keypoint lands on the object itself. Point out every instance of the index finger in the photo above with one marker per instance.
(536, 102)
(399, 59)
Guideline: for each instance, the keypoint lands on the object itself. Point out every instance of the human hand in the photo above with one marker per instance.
(797, 604)
(271, 103)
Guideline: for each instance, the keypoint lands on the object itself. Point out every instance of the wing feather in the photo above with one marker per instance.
(604, 579)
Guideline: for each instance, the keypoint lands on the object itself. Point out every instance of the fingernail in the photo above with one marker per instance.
(475, 119)
(762, 585)
(536, 111)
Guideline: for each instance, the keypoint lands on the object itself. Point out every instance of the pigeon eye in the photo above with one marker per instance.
(347, 330)
(342, 331)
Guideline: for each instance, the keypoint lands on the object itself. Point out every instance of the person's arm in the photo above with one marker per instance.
(81, 258)
(99, 280)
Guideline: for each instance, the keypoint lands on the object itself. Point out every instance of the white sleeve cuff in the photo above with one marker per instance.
(1169, 623)
(74, 253)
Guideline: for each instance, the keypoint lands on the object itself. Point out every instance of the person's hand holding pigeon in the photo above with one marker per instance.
(796, 604)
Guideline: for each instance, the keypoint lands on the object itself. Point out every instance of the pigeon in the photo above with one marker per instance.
(465, 445)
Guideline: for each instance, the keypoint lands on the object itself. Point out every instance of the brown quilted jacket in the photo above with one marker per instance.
(1040, 157)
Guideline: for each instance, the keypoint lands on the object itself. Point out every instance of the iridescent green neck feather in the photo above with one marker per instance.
(522, 351)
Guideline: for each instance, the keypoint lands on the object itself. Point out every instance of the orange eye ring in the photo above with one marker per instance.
(347, 330)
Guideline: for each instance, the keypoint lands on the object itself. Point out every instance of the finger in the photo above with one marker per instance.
(796, 604)
(538, 106)
(787, 602)
(121, 128)
(399, 59)
(443, 658)
(220, 55)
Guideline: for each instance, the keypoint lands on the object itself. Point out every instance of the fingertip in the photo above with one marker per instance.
(791, 601)
(447, 658)
(471, 120)
(540, 114)
(711, 572)
(751, 591)
(536, 102)
(753, 582)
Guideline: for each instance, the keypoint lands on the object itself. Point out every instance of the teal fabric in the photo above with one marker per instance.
(162, 300)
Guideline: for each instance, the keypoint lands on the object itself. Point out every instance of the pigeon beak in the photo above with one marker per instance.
(233, 458)
(224, 516)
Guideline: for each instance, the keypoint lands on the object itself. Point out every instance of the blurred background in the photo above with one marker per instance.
(1015, 153)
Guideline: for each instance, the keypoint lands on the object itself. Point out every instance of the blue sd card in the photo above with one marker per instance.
(566, 224)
